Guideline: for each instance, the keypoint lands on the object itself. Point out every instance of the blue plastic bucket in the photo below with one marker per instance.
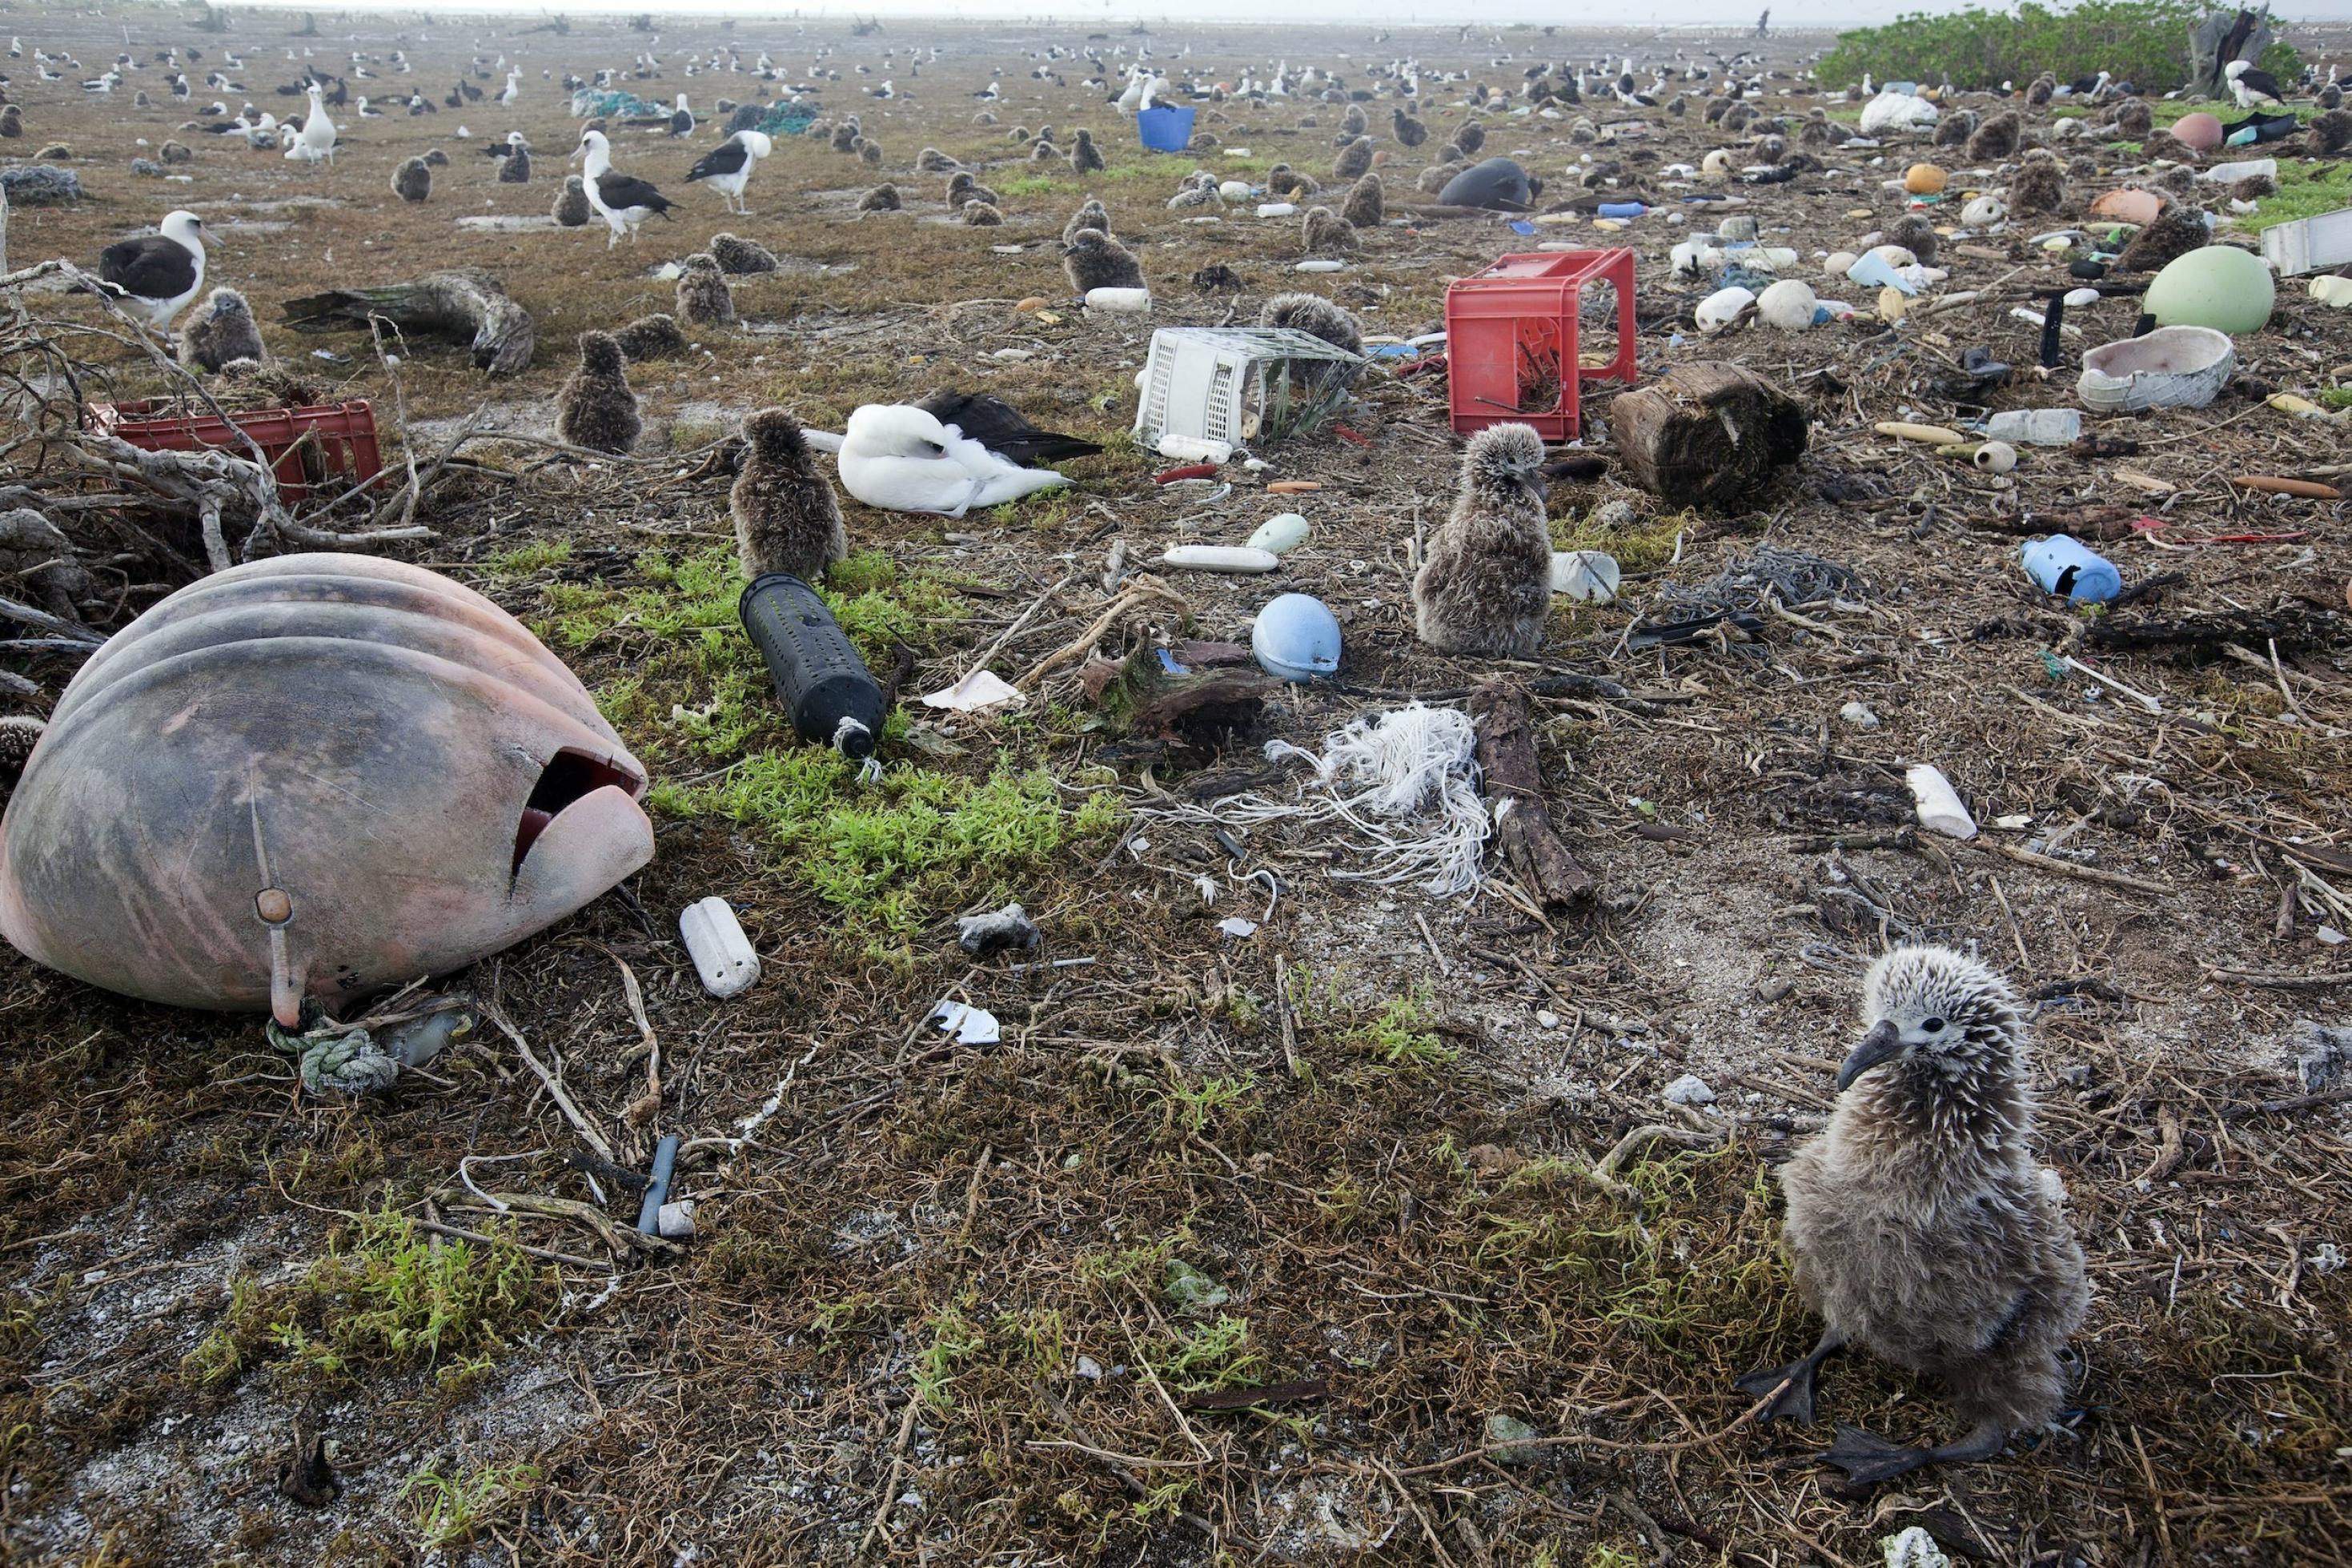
(1164, 128)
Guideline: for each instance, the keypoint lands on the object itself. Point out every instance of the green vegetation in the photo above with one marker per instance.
(955, 1339)
(1402, 1033)
(384, 1293)
(1649, 543)
(451, 1509)
(2304, 191)
(2145, 42)
(1668, 1270)
(688, 604)
(1201, 1358)
(1197, 1105)
(524, 559)
(894, 852)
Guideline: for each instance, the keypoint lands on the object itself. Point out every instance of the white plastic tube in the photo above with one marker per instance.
(1937, 803)
(1220, 558)
(1127, 301)
(722, 955)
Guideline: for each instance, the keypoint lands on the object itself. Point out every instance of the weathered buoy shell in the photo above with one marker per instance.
(316, 776)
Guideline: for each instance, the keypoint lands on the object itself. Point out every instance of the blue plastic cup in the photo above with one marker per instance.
(2062, 564)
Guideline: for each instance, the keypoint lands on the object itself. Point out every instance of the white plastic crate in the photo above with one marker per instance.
(1232, 386)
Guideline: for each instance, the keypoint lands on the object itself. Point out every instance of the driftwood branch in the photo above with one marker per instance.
(463, 306)
(1514, 781)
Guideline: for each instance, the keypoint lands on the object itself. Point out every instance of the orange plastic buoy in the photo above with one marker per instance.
(1035, 302)
(1923, 180)
(2129, 205)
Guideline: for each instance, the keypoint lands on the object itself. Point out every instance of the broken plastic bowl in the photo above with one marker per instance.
(2172, 367)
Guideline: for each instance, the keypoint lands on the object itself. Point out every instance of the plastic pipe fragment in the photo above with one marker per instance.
(658, 1184)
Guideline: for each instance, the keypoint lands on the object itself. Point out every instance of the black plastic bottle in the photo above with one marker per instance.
(819, 678)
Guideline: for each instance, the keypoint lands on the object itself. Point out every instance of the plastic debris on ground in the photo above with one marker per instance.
(969, 1024)
(981, 689)
(996, 931)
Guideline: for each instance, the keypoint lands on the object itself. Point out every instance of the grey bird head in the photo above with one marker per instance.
(775, 436)
(1507, 456)
(600, 353)
(1937, 1007)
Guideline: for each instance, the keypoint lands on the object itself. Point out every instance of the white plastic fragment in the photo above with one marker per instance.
(981, 688)
(1235, 926)
(675, 1221)
(1280, 534)
(1937, 803)
(722, 955)
(1587, 576)
(969, 1024)
(1720, 309)
(1120, 301)
(1915, 1547)
(1196, 449)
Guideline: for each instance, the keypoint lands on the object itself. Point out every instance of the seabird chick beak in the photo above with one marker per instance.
(1881, 1044)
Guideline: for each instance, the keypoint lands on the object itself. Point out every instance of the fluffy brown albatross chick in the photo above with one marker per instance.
(1920, 1225)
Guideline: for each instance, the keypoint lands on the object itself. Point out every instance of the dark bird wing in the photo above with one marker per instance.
(998, 426)
(622, 192)
(150, 266)
(727, 158)
(2260, 82)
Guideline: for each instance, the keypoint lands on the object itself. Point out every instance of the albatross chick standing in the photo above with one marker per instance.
(1921, 1226)
(596, 409)
(1485, 587)
(786, 518)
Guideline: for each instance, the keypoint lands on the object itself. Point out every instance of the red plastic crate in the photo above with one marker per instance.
(340, 454)
(1512, 329)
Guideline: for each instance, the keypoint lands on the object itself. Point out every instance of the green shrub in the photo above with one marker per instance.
(2144, 42)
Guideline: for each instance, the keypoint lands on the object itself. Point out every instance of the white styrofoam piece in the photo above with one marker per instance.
(722, 955)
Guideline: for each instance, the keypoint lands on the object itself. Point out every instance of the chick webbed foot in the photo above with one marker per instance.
(1788, 1390)
(1868, 1459)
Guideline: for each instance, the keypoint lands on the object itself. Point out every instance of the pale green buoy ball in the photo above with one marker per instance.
(2215, 286)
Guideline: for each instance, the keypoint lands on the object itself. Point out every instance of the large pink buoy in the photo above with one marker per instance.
(2200, 131)
(316, 776)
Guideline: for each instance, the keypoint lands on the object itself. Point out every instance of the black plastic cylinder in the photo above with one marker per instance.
(819, 676)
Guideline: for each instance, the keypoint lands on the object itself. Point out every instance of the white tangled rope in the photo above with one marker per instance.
(1406, 782)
